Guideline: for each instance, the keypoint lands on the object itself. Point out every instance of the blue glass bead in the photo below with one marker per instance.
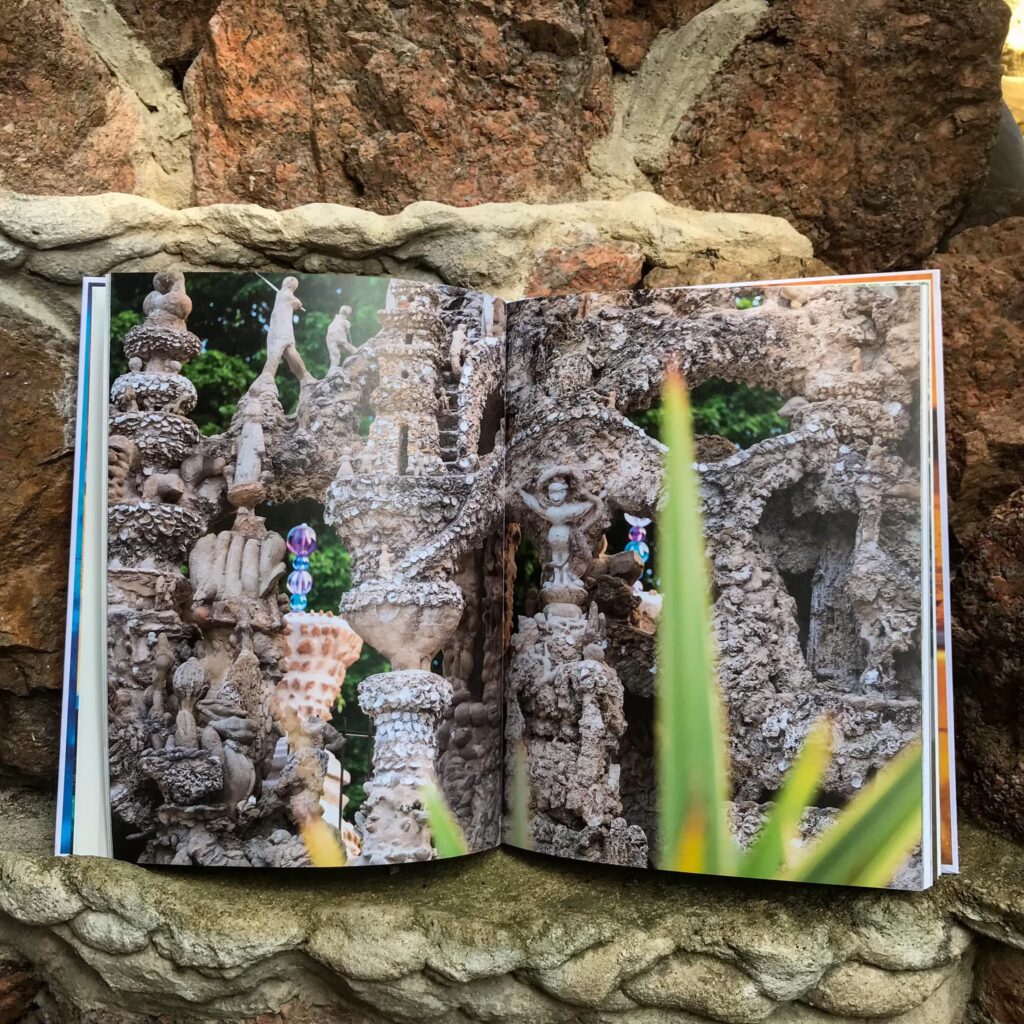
(298, 562)
(637, 533)
(301, 540)
(299, 582)
(298, 602)
(640, 548)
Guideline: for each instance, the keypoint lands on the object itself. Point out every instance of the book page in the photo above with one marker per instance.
(948, 856)
(305, 584)
(722, 655)
(83, 824)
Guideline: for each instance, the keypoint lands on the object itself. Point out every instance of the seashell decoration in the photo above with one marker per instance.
(321, 646)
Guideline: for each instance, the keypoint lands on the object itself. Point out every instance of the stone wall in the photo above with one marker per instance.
(868, 134)
(864, 132)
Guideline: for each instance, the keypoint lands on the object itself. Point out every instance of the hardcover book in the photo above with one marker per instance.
(371, 571)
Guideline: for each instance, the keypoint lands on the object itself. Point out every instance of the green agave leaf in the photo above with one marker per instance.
(692, 757)
(874, 834)
(803, 780)
(521, 835)
(444, 829)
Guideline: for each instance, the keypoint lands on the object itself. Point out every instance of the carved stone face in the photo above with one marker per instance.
(558, 491)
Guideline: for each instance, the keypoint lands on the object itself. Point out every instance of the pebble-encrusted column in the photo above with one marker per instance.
(406, 707)
(149, 533)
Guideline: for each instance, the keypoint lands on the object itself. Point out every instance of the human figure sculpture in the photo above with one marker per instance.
(339, 337)
(568, 519)
(281, 333)
(247, 488)
(457, 349)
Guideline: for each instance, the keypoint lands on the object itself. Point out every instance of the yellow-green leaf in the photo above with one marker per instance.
(444, 829)
(767, 855)
(521, 835)
(692, 757)
(875, 834)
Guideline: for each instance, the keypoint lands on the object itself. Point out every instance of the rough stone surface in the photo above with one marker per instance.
(88, 110)
(494, 247)
(18, 986)
(174, 30)
(999, 984)
(737, 105)
(496, 937)
(983, 299)
(1002, 193)
(587, 265)
(793, 124)
(630, 26)
(382, 105)
(69, 130)
(35, 475)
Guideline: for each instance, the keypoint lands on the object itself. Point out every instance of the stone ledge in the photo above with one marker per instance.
(499, 936)
(498, 247)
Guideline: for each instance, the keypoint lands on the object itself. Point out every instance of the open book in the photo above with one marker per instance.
(372, 571)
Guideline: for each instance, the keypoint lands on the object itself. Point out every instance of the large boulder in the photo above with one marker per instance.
(867, 125)
(983, 312)
(85, 108)
(379, 105)
(67, 127)
(35, 523)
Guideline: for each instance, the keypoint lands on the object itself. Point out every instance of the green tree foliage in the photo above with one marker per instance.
(220, 381)
(230, 314)
(738, 412)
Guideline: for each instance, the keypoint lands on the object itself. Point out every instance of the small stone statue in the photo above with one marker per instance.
(339, 337)
(567, 519)
(247, 488)
(168, 300)
(281, 333)
(457, 349)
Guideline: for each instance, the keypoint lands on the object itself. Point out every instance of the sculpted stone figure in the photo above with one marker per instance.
(281, 331)
(168, 299)
(339, 337)
(457, 349)
(247, 488)
(567, 519)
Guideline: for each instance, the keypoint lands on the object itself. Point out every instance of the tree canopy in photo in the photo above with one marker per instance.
(230, 314)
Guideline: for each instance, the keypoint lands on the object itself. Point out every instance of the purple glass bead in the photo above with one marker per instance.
(299, 582)
(302, 540)
(637, 533)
